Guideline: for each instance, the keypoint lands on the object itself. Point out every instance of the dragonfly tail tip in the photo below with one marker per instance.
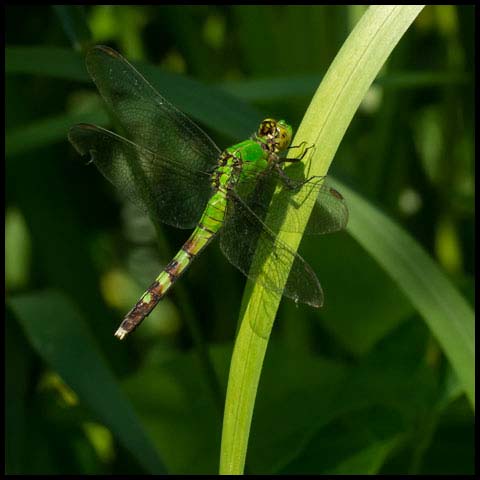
(121, 333)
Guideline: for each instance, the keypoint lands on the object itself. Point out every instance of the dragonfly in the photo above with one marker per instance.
(169, 166)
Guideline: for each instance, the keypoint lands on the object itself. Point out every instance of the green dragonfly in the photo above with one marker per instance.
(171, 168)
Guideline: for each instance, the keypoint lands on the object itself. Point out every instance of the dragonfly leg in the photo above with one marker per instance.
(292, 184)
(300, 157)
(286, 180)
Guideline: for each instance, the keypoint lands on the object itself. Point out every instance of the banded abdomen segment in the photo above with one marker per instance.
(208, 226)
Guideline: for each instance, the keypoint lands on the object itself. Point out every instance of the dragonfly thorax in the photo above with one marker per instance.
(228, 168)
(275, 135)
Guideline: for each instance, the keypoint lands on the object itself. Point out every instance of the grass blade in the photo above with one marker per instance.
(60, 336)
(49, 130)
(74, 23)
(445, 311)
(275, 89)
(327, 118)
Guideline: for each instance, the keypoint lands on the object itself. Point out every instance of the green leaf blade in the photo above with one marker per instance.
(60, 336)
(325, 122)
(445, 311)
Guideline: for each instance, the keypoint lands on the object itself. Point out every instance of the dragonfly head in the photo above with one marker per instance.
(277, 134)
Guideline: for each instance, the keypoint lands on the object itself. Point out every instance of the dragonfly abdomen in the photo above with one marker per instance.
(207, 228)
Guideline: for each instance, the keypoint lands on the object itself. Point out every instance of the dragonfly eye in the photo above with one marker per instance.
(277, 134)
(283, 135)
(267, 128)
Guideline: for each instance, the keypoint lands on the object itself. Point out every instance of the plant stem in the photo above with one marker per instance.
(326, 120)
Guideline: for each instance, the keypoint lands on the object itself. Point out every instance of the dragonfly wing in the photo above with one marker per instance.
(246, 242)
(147, 118)
(174, 195)
(329, 214)
(329, 210)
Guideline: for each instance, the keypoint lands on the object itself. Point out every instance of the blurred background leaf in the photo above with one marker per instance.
(361, 386)
(74, 23)
(61, 338)
(447, 314)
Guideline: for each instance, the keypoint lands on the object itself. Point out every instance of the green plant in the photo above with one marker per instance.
(380, 380)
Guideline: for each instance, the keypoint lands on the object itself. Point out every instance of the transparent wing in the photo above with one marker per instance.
(246, 242)
(174, 195)
(329, 210)
(329, 214)
(149, 119)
